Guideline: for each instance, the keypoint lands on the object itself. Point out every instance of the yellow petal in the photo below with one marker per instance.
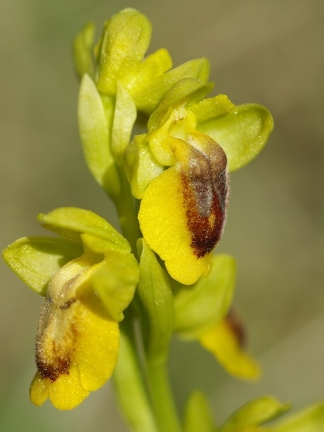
(222, 341)
(77, 349)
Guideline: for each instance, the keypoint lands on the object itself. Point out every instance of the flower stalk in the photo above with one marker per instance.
(127, 213)
(162, 396)
(128, 380)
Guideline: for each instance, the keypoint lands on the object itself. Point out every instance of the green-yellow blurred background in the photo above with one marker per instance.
(265, 51)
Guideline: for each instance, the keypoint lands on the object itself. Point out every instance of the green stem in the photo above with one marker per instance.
(162, 397)
(127, 214)
(129, 385)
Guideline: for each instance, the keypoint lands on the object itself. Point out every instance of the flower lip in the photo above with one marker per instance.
(71, 359)
(190, 199)
(58, 333)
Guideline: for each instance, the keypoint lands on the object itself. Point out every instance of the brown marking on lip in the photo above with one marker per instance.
(55, 347)
(55, 366)
(205, 194)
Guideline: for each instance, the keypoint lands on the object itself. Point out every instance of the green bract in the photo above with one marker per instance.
(82, 48)
(95, 122)
(124, 118)
(157, 302)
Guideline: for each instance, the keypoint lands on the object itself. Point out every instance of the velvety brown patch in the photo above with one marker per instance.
(205, 193)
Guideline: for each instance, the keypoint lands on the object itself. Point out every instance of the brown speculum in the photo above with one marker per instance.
(205, 194)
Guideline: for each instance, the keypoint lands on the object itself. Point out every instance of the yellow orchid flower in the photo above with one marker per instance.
(180, 172)
(77, 341)
(78, 334)
(183, 209)
(182, 212)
